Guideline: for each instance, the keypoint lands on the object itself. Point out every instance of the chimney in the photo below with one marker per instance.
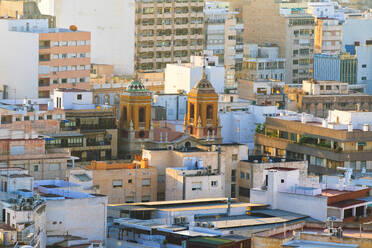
(350, 127)
(303, 118)
(365, 127)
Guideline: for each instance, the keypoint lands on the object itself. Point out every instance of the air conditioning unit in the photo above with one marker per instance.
(177, 220)
(183, 220)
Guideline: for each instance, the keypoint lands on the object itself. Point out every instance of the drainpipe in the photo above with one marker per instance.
(219, 159)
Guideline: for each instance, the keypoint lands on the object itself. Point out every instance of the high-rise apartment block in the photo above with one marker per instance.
(51, 58)
(168, 31)
(328, 36)
(224, 36)
(142, 34)
(266, 22)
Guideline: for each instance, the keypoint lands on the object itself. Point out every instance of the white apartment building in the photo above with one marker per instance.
(47, 58)
(183, 77)
(79, 214)
(193, 181)
(239, 126)
(282, 189)
(262, 63)
(224, 37)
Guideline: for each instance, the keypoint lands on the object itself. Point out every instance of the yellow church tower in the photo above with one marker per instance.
(201, 120)
(135, 118)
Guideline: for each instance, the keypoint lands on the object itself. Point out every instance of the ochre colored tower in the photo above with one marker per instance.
(135, 118)
(201, 120)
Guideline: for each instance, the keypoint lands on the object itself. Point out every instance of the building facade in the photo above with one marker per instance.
(60, 58)
(262, 63)
(167, 32)
(125, 183)
(319, 97)
(341, 140)
(328, 36)
(265, 22)
(342, 67)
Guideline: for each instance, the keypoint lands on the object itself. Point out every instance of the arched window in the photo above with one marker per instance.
(209, 112)
(106, 99)
(188, 144)
(125, 113)
(192, 110)
(141, 114)
(116, 99)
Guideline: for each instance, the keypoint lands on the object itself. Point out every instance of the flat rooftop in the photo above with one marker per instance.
(267, 159)
(49, 30)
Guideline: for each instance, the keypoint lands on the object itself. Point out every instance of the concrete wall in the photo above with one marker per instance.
(184, 77)
(111, 24)
(19, 62)
(315, 207)
(356, 29)
(132, 189)
(364, 55)
(72, 215)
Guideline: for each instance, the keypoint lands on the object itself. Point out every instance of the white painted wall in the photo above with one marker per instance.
(181, 77)
(356, 29)
(110, 22)
(80, 217)
(364, 55)
(174, 104)
(19, 62)
(70, 99)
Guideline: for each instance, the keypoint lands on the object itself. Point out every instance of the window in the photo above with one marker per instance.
(364, 66)
(17, 150)
(364, 78)
(214, 183)
(242, 175)
(233, 175)
(145, 198)
(196, 186)
(318, 161)
(328, 87)
(247, 176)
(245, 192)
(352, 165)
(141, 114)
(64, 80)
(41, 117)
(129, 180)
(117, 183)
(145, 182)
(26, 118)
(282, 181)
(234, 157)
(36, 167)
(79, 97)
(49, 117)
(53, 167)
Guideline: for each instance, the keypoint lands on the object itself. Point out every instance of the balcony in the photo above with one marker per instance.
(98, 143)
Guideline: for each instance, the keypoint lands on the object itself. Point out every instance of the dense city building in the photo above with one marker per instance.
(54, 57)
(291, 29)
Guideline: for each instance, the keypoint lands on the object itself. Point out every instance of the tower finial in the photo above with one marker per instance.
(204, 76)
